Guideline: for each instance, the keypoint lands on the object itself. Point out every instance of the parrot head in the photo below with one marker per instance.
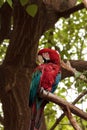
(49, 55)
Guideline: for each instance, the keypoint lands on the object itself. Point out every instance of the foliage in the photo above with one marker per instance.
(69, 35)
(9, 2)
(3, 49)
(1, 126)
(32, 9)
(23, 2)
(1, 2)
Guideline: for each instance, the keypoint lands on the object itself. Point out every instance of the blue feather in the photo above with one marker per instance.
(34, 86)
(57, 80)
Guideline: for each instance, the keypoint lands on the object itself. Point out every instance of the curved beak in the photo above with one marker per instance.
(39, 60)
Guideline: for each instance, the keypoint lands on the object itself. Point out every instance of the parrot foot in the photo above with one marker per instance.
(41, 90)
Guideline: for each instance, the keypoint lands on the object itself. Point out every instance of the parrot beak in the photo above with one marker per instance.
(39, 60)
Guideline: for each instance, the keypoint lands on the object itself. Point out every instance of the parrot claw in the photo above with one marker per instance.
(41, 90)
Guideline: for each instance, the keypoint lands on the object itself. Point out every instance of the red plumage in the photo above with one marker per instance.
(49, 73)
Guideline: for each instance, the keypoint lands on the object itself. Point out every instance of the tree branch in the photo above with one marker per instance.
(76, 73)
(79, 65)
(62, 103)
(52, 15)
(67, 13)
(62, 116)
(72, 119)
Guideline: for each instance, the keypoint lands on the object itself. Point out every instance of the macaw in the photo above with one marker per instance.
(47, 76)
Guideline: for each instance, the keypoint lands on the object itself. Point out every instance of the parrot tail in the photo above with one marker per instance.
(38, 119)
(33, 116)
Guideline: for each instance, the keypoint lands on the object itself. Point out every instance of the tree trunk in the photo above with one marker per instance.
(15, 99)
(17, 69)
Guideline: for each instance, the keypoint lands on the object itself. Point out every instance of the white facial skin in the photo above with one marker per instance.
(46, 56)
(40, 58)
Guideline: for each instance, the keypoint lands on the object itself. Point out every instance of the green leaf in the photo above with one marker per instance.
(10, 3)
(1, 2)
(24, 2)
(32, 9)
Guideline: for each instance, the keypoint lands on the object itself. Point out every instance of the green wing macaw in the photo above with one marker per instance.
(46, 76)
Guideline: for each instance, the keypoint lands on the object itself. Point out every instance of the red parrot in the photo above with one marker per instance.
(46, 76)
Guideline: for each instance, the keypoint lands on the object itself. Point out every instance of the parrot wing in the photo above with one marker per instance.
(34, 86)
(57, 80)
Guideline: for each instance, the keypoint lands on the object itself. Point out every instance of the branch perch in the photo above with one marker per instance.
(77, 74)
(72, 119)
(62, 116)
(62, 103)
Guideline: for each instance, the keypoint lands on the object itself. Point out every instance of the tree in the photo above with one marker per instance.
(23, 23)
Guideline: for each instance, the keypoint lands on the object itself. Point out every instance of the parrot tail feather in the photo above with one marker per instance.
(33, 116)
(32, 123)
(38, 119)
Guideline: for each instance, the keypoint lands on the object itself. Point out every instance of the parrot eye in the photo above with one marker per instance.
(46, 56)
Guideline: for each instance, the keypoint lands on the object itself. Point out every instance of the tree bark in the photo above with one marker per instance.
(60, 5)
(18, 66)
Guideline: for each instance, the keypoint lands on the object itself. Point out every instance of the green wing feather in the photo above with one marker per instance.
(34, 86)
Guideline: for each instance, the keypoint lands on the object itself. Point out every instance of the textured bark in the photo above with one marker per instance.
(60, 5)
(17, 68)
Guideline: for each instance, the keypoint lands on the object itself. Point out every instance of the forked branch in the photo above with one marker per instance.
(62, 103)
(72, 119)
(62, 116)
